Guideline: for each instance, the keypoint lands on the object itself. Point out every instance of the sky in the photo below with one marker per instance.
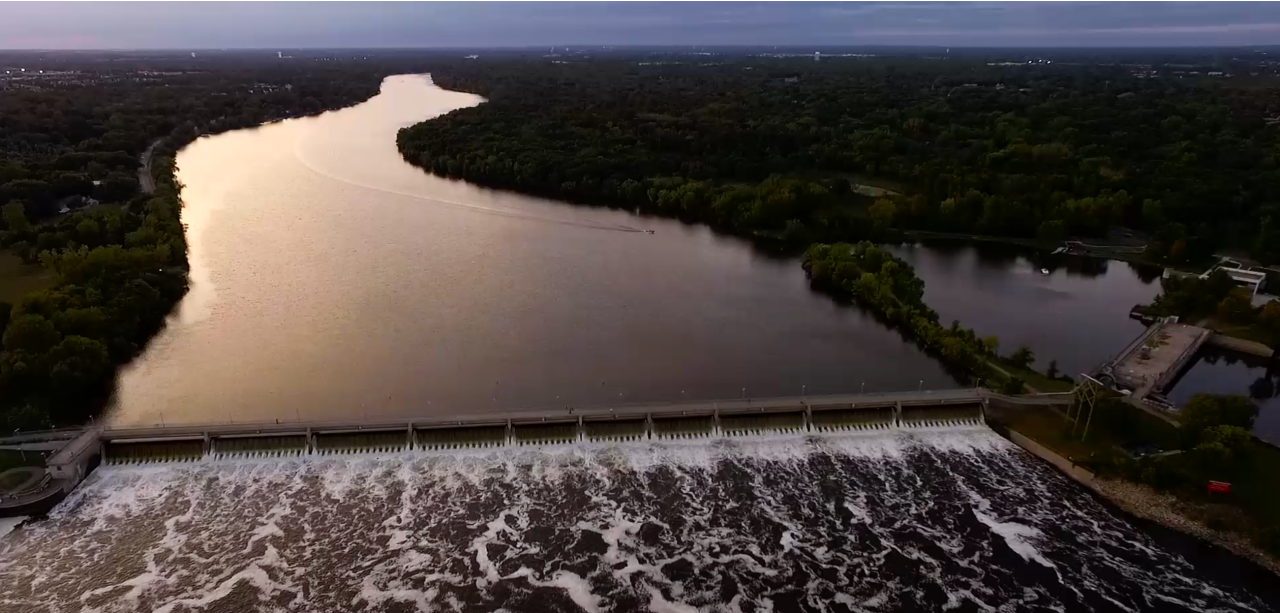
(172, 25)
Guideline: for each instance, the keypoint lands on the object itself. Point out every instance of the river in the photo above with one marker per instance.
(331, 279)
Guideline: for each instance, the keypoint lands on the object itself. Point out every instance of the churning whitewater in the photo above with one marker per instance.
(894, 521)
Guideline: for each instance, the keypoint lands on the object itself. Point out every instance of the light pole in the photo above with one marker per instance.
(920, 386)
(744, 393)
(802, 390)
(862, 390)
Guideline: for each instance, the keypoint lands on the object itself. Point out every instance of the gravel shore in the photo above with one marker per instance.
(1170, 512)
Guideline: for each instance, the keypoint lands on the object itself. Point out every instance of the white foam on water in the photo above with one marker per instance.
(659, 604)
(1021, 538)
(421, 599)
(253, 575)
(578, 589)
(668, 522)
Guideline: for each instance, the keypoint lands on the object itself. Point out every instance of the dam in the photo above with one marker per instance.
(863, 503)
(627, 423)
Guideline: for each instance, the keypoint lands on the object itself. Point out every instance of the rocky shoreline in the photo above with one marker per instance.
(1166, 510)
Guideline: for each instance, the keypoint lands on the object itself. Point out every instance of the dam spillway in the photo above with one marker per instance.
(890, 518)
(681, 421)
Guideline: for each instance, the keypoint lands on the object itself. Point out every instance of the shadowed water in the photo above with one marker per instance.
(904, 521)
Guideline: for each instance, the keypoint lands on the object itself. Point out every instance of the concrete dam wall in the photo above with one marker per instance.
(621, 424)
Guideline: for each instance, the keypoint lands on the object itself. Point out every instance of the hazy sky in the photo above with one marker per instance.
(103, 25)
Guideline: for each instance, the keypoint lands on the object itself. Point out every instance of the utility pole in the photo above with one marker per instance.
(1087, 394)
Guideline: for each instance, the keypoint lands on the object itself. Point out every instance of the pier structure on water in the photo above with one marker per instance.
(1148, 367)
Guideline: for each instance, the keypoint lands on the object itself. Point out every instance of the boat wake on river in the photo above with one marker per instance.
(947, 519)
(480, 208)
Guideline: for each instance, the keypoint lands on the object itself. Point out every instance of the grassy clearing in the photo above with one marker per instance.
(1053, 430)
(18, 279)
(1039, 380)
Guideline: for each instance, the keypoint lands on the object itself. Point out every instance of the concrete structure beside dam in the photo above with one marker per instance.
(1150, 364)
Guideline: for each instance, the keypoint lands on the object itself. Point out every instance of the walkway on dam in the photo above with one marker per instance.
(635, 411)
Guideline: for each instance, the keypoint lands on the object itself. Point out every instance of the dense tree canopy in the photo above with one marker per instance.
(756, 144)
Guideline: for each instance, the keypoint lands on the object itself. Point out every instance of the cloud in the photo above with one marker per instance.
(373, 24)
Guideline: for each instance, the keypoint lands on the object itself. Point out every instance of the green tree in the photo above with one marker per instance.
(1052, 370)
(883, 212)
(15, 217)
(1221, 446)
(79, 368)
(990, 343)
(30, 333)
(1013, 386)
(27, 417)
(1269, 320)
(1022, 357)
(1237, 307)
(1205, 411)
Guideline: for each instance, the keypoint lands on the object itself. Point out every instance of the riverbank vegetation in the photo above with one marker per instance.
(75, 213)
(1212, 443)
(766, 146)
(1221, 304)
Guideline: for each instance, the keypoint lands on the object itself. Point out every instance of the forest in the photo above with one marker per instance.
(71, 141)
(786, 148)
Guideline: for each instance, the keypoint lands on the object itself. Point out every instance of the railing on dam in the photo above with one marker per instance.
(672, 422)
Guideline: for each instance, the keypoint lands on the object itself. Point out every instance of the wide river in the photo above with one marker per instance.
(330, 279)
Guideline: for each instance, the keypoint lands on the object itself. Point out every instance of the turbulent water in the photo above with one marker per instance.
(946, 520)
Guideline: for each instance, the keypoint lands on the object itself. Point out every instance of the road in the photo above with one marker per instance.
(145, 179)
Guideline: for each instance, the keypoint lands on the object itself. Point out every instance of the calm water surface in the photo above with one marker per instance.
(331, 279)
(1222, 372)
(1077, 314)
